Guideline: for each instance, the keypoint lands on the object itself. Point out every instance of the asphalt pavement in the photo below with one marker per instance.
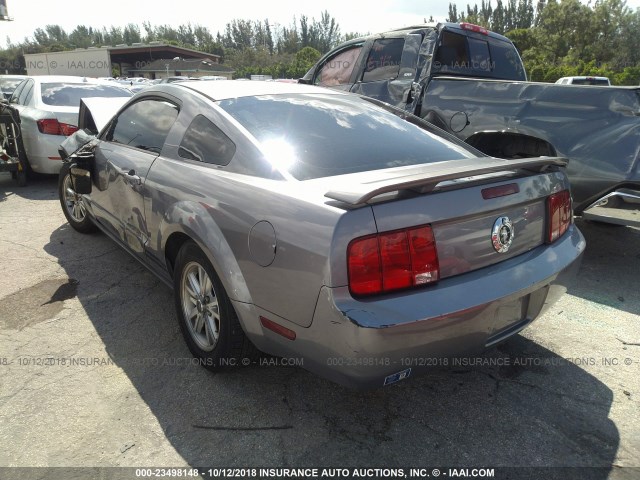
(94, 372)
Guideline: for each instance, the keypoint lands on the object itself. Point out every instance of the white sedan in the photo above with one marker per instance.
(48, 107)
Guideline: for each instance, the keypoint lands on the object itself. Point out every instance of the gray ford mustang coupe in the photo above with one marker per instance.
(324, 226)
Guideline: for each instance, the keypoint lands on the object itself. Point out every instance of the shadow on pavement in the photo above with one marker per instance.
(548, 413)
(608, 279)
(38, 188)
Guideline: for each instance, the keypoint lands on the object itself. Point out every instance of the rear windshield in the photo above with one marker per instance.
(321, 135)
(8, 85)
(590, 81)
(69, 94)
(479, 57)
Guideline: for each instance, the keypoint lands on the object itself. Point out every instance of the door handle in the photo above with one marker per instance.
(132, 177)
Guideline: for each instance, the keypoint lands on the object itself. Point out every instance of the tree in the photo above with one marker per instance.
(610, 19)
(498, 18)
(262, 36)
(56, 34)
(562, 27)
(81, 37)
(131, 34)
(288, 40)
(523, 39)
(185, 36)
(305, 59)
(328, 32)
(453, 13)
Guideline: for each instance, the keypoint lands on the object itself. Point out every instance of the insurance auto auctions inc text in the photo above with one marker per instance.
(366, 473)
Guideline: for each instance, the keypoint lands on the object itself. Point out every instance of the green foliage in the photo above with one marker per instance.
(628, 76)
(513, 14)
(305, 59)
(256, 48)
(522, 38)
(278, 66)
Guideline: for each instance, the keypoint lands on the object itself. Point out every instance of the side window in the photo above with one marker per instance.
(16, 93)
(479, 54)
(204, 142)
(505, 61)
(144, 125)
(337, 70)
(452, 51)
(27, 93)
(384, 60)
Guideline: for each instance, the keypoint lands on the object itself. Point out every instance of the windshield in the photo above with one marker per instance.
(8, 85)
(487, 56)
(69, 94)
(590, 81)
(320, 135)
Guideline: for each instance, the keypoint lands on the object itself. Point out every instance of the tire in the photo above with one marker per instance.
(21, 176)
(22, 155)
(207, 318)
(23, 172)
(73, 205)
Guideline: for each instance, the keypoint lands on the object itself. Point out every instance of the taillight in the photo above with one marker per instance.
(68, 130)
(51, 126)
(365, 270)
(392, 261)
(500, 191)
(396, 260)
(558, 215)
(474, 28)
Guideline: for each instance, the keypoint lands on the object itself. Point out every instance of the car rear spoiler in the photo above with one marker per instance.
(425, 177)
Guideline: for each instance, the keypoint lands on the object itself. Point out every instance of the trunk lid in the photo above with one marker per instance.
(464, 202)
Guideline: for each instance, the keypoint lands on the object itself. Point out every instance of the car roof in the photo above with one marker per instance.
(64, 79)
(235, 89)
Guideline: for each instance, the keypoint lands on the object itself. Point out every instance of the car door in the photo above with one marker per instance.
(20, 98)
(390, 70)
(123, 157)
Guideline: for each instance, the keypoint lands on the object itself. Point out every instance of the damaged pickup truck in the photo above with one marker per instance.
(471, 82)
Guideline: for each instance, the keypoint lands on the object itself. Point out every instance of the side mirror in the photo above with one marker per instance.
(81, 180)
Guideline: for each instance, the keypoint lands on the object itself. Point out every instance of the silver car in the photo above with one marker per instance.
(48, 107)
(322, 226)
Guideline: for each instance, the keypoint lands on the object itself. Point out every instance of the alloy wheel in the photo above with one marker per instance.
(200, 306)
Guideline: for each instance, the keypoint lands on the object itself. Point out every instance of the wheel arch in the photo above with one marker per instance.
(186, 221)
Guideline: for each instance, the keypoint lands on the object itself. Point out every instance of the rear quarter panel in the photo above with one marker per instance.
(218, 210)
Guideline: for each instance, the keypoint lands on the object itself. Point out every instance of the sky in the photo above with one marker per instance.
(353, 16)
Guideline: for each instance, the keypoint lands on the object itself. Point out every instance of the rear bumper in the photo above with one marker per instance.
(363, 344)
(42, 152)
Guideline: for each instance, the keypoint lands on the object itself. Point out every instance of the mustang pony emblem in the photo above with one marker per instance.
(502, 234)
